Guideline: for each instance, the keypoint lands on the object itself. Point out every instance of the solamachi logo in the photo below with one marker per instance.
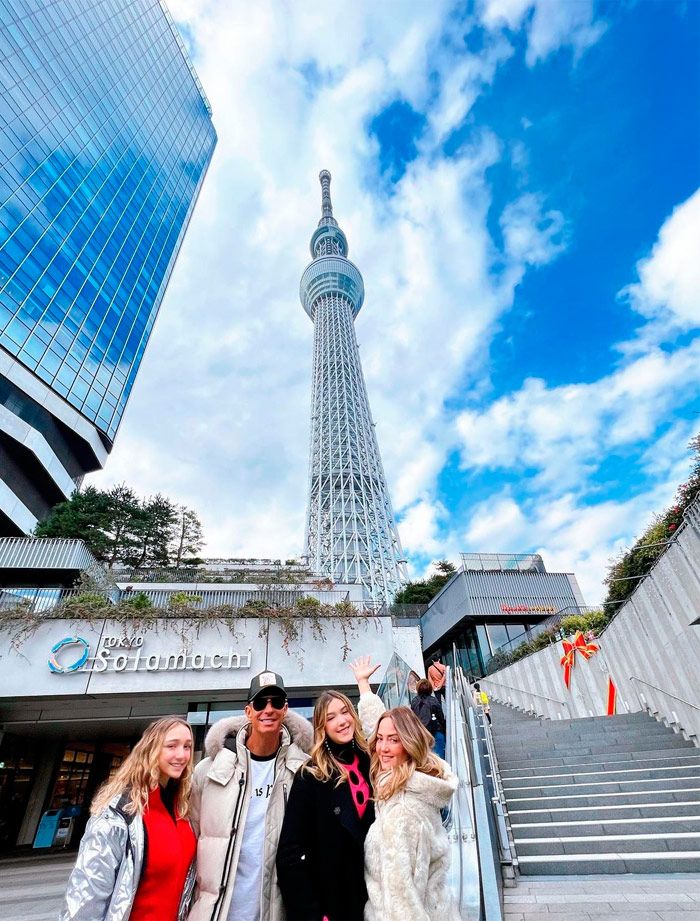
(84, 651)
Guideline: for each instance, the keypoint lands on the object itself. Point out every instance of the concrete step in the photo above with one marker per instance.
(608, 844)
(625, 774)
(588, 746)
(629, 797)
(603, 785)
(506, 716)
(662, 760)
(559, 730)
(517, 757)
(576, 739)
(640, 862)
(604, 826)
(536, 764)
(604, 813)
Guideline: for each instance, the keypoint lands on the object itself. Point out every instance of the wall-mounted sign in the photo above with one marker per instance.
(126, 654)
(528, 608)
(62, 662)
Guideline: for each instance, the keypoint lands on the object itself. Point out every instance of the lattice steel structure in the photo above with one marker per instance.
(350, 531)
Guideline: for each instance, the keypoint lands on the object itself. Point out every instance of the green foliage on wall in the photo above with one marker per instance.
(627, 570)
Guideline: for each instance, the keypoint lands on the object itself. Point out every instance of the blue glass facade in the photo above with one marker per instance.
(105, 139)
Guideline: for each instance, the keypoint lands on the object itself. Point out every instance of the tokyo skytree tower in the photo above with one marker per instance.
(350, 531)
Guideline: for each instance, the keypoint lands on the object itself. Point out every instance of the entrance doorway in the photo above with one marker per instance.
(83, 768)
(18, 759)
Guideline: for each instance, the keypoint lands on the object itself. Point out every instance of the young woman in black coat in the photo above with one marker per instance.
(320, 857)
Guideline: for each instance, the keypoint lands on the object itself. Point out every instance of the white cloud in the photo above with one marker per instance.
(464, 77)
(565, 432)
(496, 525)
(532, 235)
(570, 534)
(508, 13)
(668, 289)
(551, 24)
(556, 23)
(420, 529)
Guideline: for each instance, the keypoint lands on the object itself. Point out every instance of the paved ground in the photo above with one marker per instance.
(658, 897)
(32, 890)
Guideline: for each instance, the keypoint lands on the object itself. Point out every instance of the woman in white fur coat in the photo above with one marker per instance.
(406, 849)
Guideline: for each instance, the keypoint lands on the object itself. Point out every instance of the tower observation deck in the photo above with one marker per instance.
(350, 531)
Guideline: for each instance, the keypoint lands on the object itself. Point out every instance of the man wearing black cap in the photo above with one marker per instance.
(239, 794)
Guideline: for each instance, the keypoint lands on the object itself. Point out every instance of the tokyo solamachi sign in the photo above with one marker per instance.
(126, 653)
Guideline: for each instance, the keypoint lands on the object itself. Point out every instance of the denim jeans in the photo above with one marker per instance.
(439, 747)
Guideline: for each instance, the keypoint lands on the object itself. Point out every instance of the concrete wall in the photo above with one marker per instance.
(651, 650)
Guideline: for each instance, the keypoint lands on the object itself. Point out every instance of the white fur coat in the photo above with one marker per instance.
(407, 854)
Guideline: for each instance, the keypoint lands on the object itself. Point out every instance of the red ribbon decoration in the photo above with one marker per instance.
(571, 647)
(612, 698)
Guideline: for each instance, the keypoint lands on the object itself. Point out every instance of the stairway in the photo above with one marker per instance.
(617, 794)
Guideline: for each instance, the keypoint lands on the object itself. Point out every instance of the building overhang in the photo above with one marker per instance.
(45, 562)
(41, 393)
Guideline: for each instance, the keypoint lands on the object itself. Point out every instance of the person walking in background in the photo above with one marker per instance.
(437, 676)
(427, 708)
(407, 849)
(320, 858)
(481, 700)
(136, 858)
(239, 796)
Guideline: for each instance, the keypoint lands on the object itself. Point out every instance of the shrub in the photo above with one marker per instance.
(182, 599)
(140, 601)
(93, 599)
(569, 625)
(307, 606)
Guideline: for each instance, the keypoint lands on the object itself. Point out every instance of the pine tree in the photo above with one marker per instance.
(188, 537)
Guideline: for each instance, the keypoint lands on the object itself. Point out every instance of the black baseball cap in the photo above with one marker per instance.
(267, 682)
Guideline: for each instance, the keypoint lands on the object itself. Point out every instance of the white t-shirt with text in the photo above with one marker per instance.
(245, 901)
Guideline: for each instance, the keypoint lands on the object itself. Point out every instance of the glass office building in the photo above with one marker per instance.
(105, 139)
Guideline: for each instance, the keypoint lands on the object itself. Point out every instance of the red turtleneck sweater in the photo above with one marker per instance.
(170, 849)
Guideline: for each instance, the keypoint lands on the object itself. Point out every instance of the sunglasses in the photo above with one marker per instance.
(278, 702)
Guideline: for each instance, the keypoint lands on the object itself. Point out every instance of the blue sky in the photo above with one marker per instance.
(518, 181)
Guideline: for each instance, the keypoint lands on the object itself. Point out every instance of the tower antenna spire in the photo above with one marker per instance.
(326, 203)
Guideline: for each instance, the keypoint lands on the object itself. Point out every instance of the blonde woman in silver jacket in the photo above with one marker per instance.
(137, 853)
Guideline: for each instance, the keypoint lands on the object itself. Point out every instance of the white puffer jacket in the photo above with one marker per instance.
(219, 806)
(407, 853)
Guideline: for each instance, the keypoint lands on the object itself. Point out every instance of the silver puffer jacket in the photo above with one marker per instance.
(106, 874)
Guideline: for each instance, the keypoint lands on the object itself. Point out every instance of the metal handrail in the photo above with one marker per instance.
(460, 822)
(493, 851)
(522, 691)
(667, 693)
(456, 738)
(498, 800)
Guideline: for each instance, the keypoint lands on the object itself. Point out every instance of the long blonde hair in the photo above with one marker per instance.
(323, 765)
(416, 742)
(139, 772)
